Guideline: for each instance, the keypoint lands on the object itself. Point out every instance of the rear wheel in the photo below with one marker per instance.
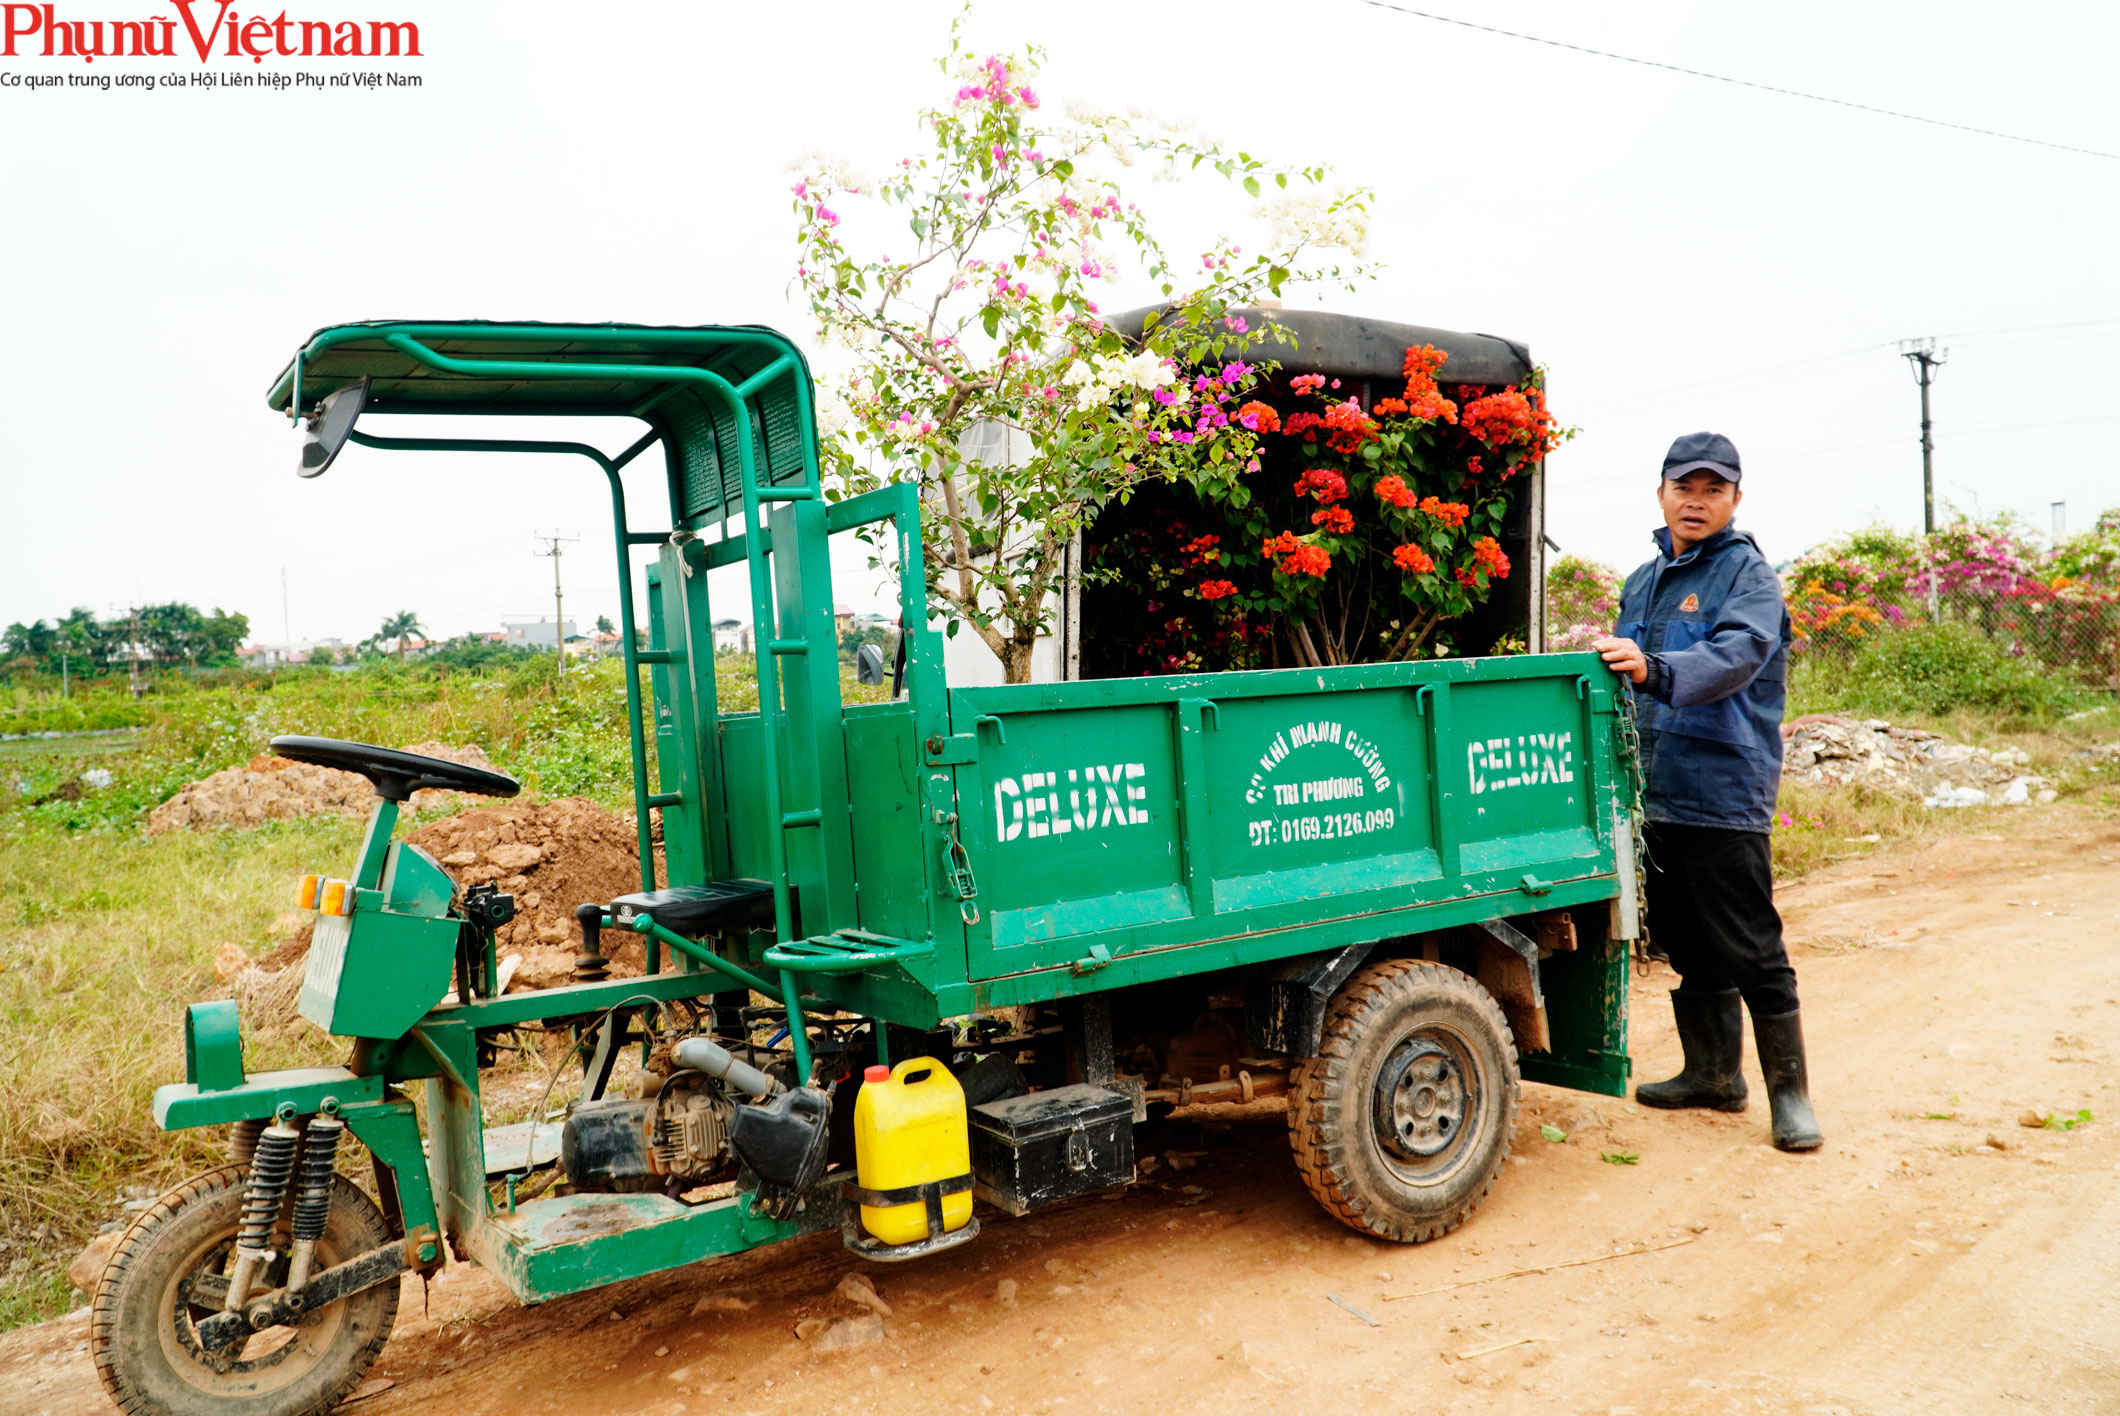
(167, 1275)
(1401, 1123)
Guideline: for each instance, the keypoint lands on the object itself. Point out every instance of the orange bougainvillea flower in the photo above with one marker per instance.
(1387, 407)
(1280, 545)
(1323, 483)
(1488, 553)
(1336, 519)
(1466, 579)
(1350, 426)
(1259, 417)
(1413, 560)
(1423, 400)
(1419, 367)
(1307, 560)
(1201, 549)
(1499, 418)
(1393, 491)
(1216, 589)
(1449, 513)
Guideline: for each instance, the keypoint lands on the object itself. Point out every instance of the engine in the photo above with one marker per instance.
(689, 1127)
(704, 1116)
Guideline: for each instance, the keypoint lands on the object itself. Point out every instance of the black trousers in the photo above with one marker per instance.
(1711, 909)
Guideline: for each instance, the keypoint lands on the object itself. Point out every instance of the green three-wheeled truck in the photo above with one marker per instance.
(1385, 892)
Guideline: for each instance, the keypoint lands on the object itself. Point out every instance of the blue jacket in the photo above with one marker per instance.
(1716, 634)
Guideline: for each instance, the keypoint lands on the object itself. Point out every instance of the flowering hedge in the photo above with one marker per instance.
(2058, 605)
(1582, 602)
(1357, 534)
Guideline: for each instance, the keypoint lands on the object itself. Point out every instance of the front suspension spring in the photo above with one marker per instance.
(243, 1140)
(320, 1160)
(271, 1168)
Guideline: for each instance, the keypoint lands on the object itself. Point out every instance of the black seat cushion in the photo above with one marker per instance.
(703, 909)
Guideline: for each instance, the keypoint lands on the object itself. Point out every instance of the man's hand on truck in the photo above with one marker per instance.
(1623, 656)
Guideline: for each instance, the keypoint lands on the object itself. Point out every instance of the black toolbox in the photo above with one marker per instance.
(1052, 1145)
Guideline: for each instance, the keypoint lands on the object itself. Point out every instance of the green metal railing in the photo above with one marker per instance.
(625, 539)
(736, 401)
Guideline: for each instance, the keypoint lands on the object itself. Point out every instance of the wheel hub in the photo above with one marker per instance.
(1421, 1100)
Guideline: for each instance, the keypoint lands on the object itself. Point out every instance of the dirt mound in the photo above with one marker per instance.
(1833, 750)
(552, 856)
(273, 788)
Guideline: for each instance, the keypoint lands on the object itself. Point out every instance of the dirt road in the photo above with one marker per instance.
(1938, 1256)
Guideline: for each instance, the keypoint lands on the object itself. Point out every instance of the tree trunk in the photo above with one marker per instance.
(1016, 662)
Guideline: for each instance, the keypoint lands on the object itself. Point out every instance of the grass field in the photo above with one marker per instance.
(105, 934)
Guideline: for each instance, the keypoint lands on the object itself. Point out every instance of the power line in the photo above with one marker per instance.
(1744, 83)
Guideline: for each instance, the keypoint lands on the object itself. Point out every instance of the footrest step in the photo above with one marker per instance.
(848, 951)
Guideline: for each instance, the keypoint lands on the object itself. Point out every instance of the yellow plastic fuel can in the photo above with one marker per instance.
(909, 1129)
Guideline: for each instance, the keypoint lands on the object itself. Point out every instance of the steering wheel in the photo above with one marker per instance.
(396, 775)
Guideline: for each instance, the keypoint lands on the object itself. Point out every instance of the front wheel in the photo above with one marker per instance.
(164, 1278)
(1401, 1123)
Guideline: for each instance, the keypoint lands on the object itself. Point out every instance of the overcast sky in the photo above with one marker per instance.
(1679, 253)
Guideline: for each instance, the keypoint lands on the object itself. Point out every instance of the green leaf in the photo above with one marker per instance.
(1251, 186)
(991, 319)
(1619, 1157)
(1553, 1133)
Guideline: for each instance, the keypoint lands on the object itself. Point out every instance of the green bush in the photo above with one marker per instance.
(1939, 668)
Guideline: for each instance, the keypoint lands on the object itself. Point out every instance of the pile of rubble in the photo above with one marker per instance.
(552, 856)
(270, 788)
(1833, 750)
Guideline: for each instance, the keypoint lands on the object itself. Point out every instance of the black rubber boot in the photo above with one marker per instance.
(1780, 1041)
(1711, 1030)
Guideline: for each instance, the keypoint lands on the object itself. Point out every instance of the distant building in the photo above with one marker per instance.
(534, 634)
(273, 656)
(732, 636)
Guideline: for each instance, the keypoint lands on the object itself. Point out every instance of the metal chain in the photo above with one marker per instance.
(1630, 752)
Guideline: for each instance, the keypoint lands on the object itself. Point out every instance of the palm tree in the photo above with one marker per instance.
(400, 627)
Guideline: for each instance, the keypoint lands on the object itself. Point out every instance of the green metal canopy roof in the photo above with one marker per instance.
(688, 382)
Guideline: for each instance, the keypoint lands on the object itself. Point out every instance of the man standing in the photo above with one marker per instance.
(1704, 637)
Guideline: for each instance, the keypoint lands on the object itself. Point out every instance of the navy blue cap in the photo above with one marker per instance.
(1703, 452)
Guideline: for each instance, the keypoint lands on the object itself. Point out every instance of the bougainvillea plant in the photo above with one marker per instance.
(980, 362)
(1389, 527)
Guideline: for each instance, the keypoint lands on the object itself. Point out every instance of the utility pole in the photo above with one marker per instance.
(559, 618)
(1926, 359)
(139, 685)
